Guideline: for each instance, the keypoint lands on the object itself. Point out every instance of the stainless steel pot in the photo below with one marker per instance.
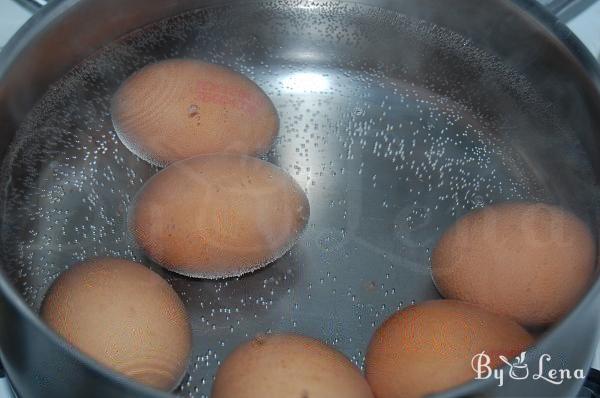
(366, 93)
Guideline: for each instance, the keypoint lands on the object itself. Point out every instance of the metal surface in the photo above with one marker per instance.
(566, 9)
(393, 126)
(32, 5)
(587, 28)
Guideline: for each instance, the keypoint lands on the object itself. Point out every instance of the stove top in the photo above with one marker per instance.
(582, 16)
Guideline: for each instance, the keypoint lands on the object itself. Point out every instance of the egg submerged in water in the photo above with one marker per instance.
(124, 316)
(429, 347)
(179, 108)
(288, 366)
(218, 216)
(529, 261)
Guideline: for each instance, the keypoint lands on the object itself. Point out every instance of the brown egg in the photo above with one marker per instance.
(288, 366)
(532, 262)
(124, 316)
(180, 108)
(218, 216)
(429, 347)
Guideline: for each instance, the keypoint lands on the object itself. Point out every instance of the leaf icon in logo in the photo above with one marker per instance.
(505, 360)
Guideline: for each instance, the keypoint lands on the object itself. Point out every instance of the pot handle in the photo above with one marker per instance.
(591, 387)
(32, 5)
(566, 10)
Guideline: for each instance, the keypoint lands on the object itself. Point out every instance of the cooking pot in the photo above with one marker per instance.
(365, 92)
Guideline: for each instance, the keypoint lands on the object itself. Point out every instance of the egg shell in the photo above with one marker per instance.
(288, 365)
(530, 261)
(218, 216)
(179, 108)
(429, 347)
(124, 316)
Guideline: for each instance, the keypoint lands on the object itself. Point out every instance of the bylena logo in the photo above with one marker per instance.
(519, 370)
